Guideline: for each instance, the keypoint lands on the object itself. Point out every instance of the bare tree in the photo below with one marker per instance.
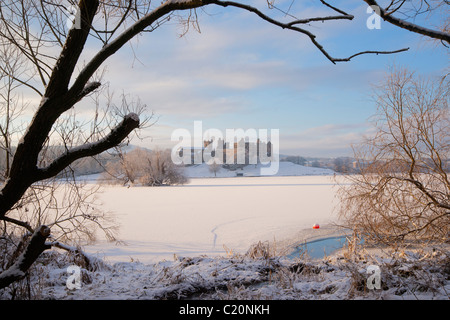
(145, 167)
(123, 170)
(159, 170)
(214, 167)
(12, 105)
(127, 168)
(61, 203)
(56, 75)
(403, 191)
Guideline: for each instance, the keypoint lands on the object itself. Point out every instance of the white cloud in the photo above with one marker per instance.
(326, 140)
(238, 60)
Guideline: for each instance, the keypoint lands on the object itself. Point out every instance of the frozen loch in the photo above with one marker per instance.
(216, 216)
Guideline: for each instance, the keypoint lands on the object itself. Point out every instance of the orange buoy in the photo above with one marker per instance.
(316, 226)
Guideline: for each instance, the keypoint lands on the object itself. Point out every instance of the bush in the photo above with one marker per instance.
(149, 168)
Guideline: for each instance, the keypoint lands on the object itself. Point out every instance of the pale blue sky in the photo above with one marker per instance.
(241, 72)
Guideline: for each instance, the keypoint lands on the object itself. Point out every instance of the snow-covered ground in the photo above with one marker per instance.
(257, 275)
(227, 238)
(284, 169)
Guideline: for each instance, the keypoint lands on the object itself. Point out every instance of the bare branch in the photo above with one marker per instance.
(119, 133)
(114, 45)
(71, 51)
(308, 20)
(369, 52)
(35, 247)
(292, 26)
(334, 8)
(435, 34)
(23, 224)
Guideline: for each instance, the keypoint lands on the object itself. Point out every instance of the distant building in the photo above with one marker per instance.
(241, 153)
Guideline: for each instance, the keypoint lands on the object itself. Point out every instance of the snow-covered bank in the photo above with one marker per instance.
(256, 275)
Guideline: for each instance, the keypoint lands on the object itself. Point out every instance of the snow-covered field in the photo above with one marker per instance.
(197, 221)
(211, 216)
(284, 169)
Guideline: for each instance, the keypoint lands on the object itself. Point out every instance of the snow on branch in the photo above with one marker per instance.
(90, 262)
(436, 34)
(34, 248)
(129, 123)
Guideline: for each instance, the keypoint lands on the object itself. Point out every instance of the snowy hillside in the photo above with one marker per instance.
(285, 169)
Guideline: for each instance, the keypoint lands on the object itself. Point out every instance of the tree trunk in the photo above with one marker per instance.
(35, 247)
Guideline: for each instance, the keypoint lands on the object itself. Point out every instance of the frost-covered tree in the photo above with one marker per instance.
(159, 170)
(402, 191)
(127, 168)
(145, 167)
(214, 168)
